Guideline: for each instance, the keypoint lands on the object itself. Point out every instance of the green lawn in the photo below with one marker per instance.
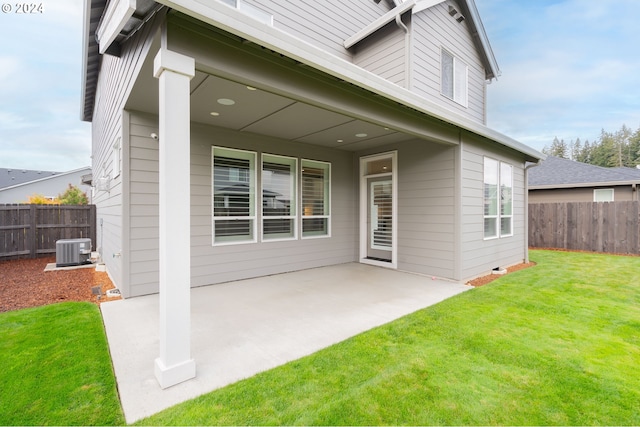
(55, 368)
(556, 344)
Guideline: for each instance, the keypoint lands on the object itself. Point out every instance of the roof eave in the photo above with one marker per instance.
(583, 185)
(235, 22)
(492, 70)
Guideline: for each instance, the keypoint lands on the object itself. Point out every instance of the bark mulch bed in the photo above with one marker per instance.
(24, 283)
(480, 281)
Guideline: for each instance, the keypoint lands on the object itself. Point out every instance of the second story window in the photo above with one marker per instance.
(453, 83)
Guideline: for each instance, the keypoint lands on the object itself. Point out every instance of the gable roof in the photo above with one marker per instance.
(234, 21)
(556, 172)
(11, 177)
(470, 14)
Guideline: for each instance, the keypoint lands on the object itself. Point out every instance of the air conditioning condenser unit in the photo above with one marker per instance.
(73, 252)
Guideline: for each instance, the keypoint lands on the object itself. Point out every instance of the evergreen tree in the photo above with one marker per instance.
(558, 149)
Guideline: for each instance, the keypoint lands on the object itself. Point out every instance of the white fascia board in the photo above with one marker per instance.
(115, 18)
(378, 23)
(484, 39)
(85, 54)
(229, 19)
(425, 4)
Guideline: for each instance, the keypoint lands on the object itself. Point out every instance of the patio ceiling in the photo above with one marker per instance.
(233, 105)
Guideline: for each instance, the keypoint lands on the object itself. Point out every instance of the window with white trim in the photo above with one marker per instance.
(234, 196)
(315, 182)
(279, 211)
(498, 199)
(603, 195)
(454, 78)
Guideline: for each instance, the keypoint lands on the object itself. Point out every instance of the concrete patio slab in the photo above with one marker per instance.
(242, 328)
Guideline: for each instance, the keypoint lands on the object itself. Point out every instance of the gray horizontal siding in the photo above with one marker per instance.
(434, 29)
(209, 264)
(385, 54)
(426, 196)
(117, 76)
(480, 256)
(325, 24)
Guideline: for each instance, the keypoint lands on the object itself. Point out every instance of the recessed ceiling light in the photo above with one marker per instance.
(340, 140)
(214, 113)
(226, 101)
(251, 88)
(361, 135)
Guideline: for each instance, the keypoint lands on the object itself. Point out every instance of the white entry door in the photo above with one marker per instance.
(378, 222)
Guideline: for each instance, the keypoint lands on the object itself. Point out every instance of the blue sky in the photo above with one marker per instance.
(569, 69)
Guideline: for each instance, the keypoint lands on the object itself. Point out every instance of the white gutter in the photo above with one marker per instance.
(229, 19)
(583, 184)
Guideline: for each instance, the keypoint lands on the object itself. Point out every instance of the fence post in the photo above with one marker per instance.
(33, 231)
(93, 232)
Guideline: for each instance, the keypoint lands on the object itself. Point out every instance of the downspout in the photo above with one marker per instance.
(407, 51)
(526, 209)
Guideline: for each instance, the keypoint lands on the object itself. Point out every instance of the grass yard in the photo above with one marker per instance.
(55, 367)
(556, 344)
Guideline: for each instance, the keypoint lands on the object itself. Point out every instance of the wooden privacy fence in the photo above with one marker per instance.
(30, 231)
(611, 227)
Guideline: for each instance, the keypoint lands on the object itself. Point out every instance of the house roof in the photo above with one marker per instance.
(556, 172)
(11, 177)
(234, 21)
(469, 13)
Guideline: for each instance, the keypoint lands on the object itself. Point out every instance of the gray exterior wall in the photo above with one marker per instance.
(620, 194)
(217, 264)
(426, 207)
(480, 256)
(117, 76)
(387, 53)
(433, 30)
(409, 60)
(325, 24)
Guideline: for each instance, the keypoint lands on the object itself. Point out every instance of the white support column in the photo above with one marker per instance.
(175, 364)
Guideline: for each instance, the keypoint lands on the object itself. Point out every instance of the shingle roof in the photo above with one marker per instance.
(555, 171)
(10, 177)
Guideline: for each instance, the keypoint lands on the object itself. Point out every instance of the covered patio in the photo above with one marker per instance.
(239, 329)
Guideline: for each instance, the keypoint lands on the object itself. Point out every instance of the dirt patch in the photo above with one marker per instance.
(24, 283)
(480, 281)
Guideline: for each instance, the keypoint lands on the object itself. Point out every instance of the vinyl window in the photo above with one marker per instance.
(498, 199)
(234, 196)
(279, 211)
(603, 195)
(454, 78)
(315, 182)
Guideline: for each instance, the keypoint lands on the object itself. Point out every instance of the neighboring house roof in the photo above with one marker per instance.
(556, 172)
(12, 177)
(41, 176)
(236, 22)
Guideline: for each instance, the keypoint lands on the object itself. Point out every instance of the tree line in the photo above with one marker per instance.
(611, 149)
